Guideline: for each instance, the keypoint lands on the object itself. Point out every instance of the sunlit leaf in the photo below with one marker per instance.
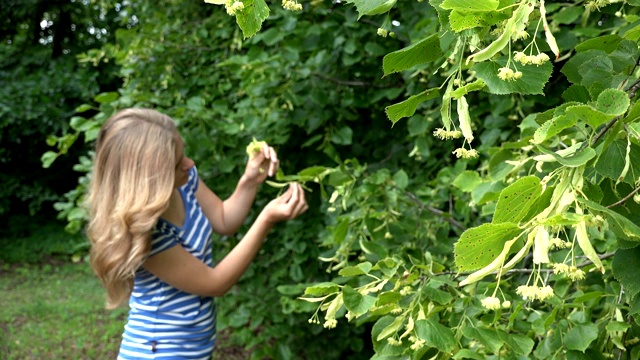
(479, 246)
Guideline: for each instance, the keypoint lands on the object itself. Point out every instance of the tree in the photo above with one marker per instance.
(517, 237)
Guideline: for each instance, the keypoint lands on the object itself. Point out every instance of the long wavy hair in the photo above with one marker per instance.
(132, 180)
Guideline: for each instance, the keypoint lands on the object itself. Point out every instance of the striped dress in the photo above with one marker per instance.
(164, 322)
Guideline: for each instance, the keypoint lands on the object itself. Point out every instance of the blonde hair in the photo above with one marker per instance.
(131, 183)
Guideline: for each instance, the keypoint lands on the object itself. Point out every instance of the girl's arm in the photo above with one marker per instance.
(182, 270)
(227, 216)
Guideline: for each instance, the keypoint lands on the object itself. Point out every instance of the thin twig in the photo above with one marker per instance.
(604, 130)
(624, 199)
(435, 211)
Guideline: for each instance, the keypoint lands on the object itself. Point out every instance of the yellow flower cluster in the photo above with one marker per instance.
(525, 59)
(572, 272)
(465, 154)
(506, 74)
(233, 7)
(521, 35)
(443, 134)
(557, 243)
(291, 5)
(394, 342)
(596, 4)
(330, 324)
(491, 303)
(417, 343)
(383, 32)
(535, 292)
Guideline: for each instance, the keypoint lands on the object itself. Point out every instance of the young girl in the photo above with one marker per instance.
(151, 220)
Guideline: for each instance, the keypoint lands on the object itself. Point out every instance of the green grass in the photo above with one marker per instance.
(56, 312)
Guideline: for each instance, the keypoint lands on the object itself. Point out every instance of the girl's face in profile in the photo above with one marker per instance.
(183, 165)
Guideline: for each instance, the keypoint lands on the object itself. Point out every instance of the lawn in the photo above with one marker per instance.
(56, 311)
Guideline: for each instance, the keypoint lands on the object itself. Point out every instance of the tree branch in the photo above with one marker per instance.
(435, 211)
(624, 199)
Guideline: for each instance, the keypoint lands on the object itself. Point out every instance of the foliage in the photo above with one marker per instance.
(516, 238)
(42, 85)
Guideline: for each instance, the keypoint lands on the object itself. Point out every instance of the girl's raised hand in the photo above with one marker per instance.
(286, 206)
(262, 163)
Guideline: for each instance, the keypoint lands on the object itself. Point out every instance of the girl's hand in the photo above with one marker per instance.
(261, 164)
(286, 206)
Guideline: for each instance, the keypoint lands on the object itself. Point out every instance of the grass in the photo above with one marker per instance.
(56, 311)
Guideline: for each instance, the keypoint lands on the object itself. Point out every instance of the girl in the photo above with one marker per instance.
(151, 220)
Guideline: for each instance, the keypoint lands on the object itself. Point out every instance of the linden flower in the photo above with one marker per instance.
(330, 323)
(535, 292)
(383, 32)
(394, 342)
(291, 5)
(540, 59)
(443, 134)
(234, 7)
(418, 344)
(575, 274)
(521, 35)
(520, 57)
(505, 73)
(491, 303)
(557, 243)
(465, 154)
(506, 304)
(560, 268)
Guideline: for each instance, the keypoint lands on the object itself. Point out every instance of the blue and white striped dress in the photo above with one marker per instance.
(164, 322)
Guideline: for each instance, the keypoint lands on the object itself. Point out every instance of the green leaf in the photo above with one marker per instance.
(553, 127)
(460, 21)
(577, 93)
(439, 296)
(531, 83)
(250, 19)
(479, 246)
(380, 345)
(612, 161)
(372, 7)
(580, 336)
(620, 225)
(355, 302)
(589, 115)
(470, 5)
(424, 51)
(625, 269)
(613, 102)
(360, 269)
(321, 289)
(408, 107)
(435, 334)
(571, 68)
(106, 97)
(487, 337)
(606, 43)
(401, 179)
(467, 180)
(468, 354)
(520, 344)
(391, 328)
(579, 158)
(516, 200)
(48, 158)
